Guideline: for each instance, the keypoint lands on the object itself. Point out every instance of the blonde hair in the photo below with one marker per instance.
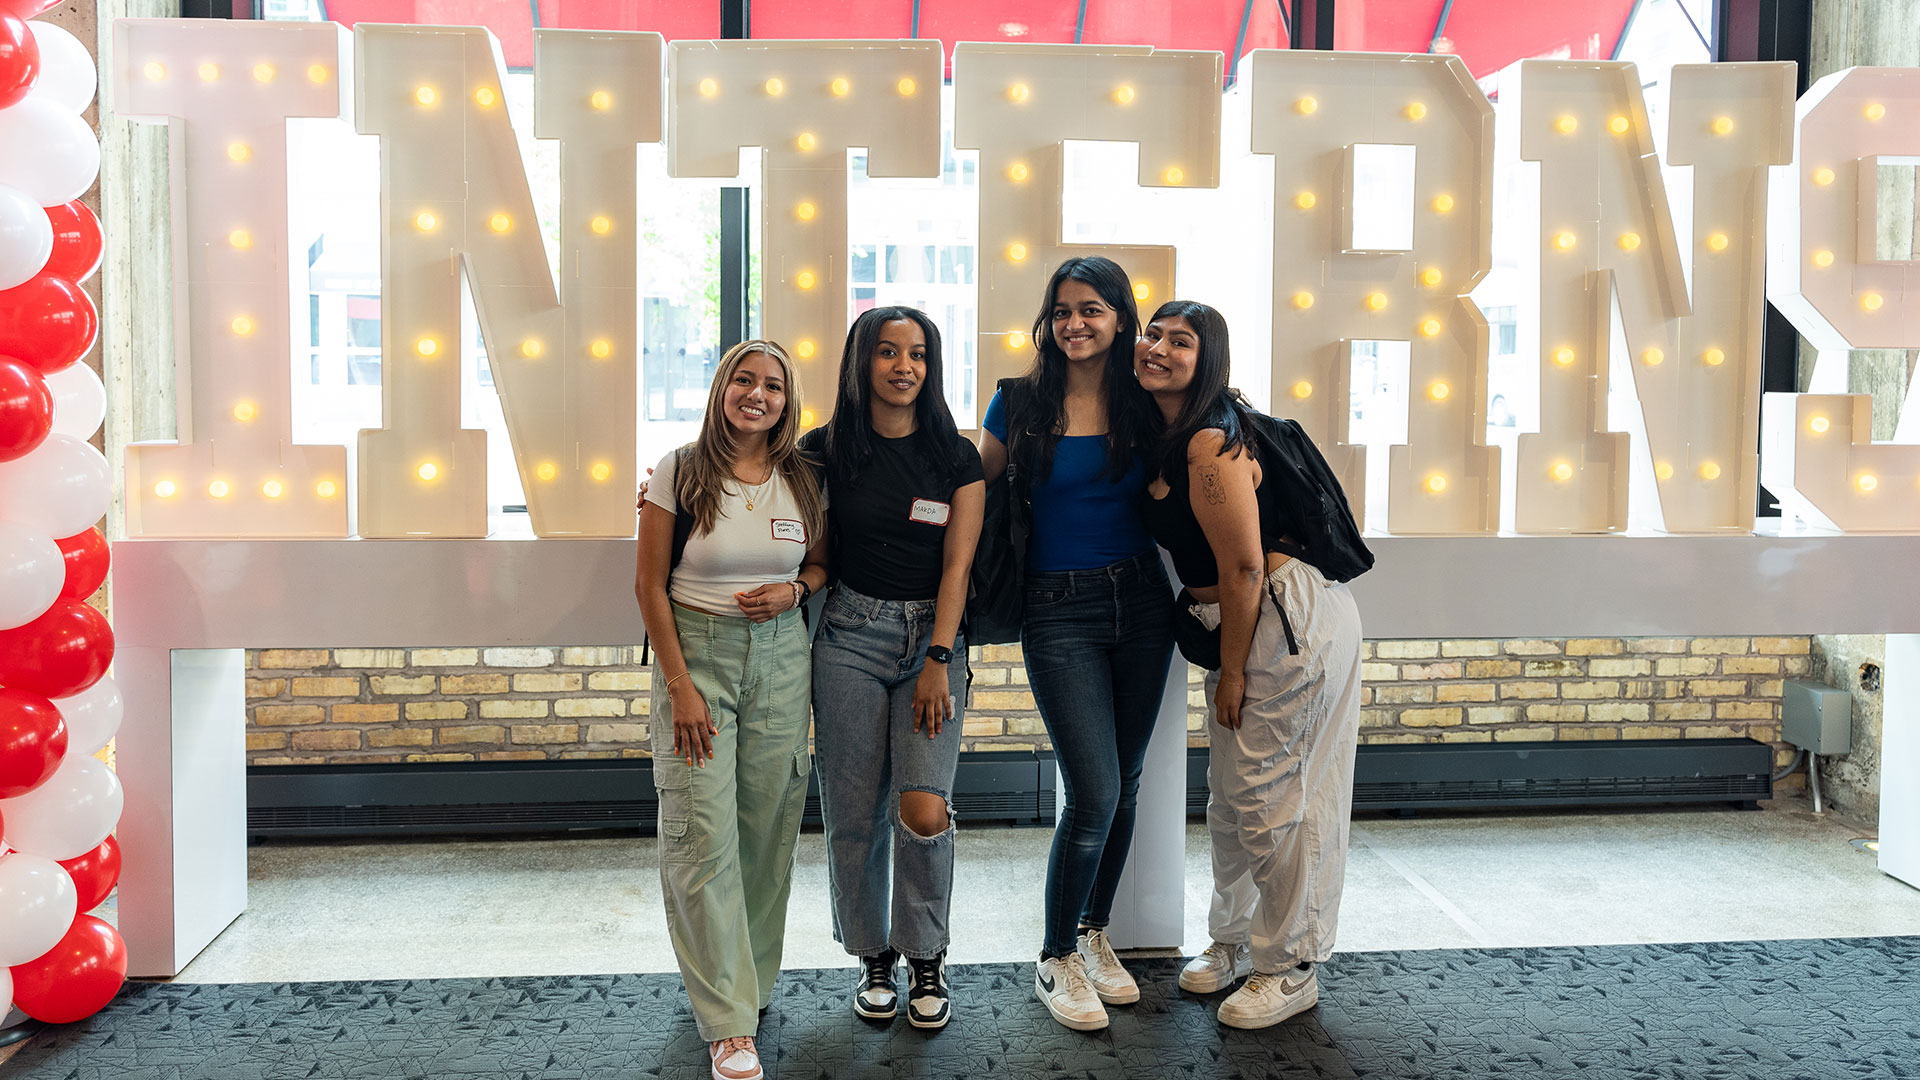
(705, 471)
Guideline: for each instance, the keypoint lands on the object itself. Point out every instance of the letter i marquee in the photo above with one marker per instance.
(805, 104)
(226, 90)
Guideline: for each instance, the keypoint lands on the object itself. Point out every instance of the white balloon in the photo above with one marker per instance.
(67, 816)
(26, 237)
(79, 401)
(62, 487)
(6, 989)
(37, 905)
(92, 716)
(65, 157)
(67, 76)
(32, 569)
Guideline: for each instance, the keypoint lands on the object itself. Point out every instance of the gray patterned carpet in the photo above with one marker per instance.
(1793, 1010)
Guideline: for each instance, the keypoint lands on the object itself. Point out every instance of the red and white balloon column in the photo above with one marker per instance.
(58, 803)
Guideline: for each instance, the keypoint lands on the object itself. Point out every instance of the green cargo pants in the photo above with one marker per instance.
(727, 831)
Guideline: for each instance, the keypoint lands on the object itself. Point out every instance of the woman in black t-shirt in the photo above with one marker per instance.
(905, 501)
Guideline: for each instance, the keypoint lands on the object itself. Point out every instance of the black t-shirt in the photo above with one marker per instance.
(888, 524)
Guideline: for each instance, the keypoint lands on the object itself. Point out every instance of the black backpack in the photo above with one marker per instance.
(1308, 487)
(996, 584)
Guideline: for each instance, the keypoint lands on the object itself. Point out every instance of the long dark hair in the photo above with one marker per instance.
(1210, 402)
(1128, 406)
(850, 437)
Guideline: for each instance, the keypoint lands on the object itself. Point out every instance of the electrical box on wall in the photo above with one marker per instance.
(1816, 717)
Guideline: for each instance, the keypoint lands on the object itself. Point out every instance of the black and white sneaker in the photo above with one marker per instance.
(875, 996)
(928, 1004)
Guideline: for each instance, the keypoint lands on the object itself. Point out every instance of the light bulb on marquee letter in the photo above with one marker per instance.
(1825, 277)
(788, 108)
(1417, 294)
(229, 184)
(1727, 121)
(1018, 105)
(598, 94)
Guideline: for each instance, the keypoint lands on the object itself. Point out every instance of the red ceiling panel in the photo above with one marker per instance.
(801, 20)
(1487, 34)
(693, 20)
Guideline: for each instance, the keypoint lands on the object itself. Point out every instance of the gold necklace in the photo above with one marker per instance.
(756, 490)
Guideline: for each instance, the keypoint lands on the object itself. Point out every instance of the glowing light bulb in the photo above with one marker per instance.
(1663, 471)
(805, 348)
(1439, 391)
(1306, 106)
(1430, 277)
(1819, 425)
(426, 346)
(428, 470)
(1619, 125)
(602, 470)
(808, 417)
(1652, 357)
(1430, 327)
(840, 88)
(219, 489)
(806, 279)
(239, 151)
(1867, 482)
(1566, 124)
(1717, 241)
(805, 211)
(1017, 340)
(273, 489)
(155, 70)
(806, 142)
(601, 225)
(1376, 301)
(1019, 92)
(263, 73)
(1176, 175)
(240, 238)
(1823, 259)
(1563, 356)
(326, 489)
(499, 223)
(1823, 176)
(1875, 111)
(426, 95)
(1123, 96)
(1017, 252)
(209, 72)
(906, 87)
(708, 88)
(485, 97)
(165, 489)
(1723, 125)
(1628, 241)
(774, 87)
(1871, 301)
(1302, 390)
(530, 348)
(1141, 290)
(316, 73)
(425, 221)
(1018, 172)
(1714, 357)
(545, 470)
(1436, 483)
(1564, 241)
(245, 412)
(1563, 472)
(1442, 203)
(1710, 471)
(600, 100)
(601, 349)
(241, 325)
(1305, 200)
(1416, 111)
(1303, 300)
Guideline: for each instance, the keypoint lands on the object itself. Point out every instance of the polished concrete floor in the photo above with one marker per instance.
(422, 909)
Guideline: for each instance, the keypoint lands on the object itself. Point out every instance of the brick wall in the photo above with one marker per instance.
(314, 706)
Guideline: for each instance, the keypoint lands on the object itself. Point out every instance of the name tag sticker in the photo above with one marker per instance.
(928, 512)
(789, 529)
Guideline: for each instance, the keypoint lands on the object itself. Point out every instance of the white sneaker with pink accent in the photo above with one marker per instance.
(735, 1059)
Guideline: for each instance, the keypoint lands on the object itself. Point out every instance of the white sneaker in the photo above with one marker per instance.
(1266, 999)
(1109, 979)
(1219, 967)
(1061, 984)
(735, 1059)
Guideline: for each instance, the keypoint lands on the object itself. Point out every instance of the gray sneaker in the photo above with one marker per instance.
(1266, 999)
(1219, 967)
(1110, 980)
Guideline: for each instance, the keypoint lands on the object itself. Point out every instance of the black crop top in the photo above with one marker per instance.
(1174, 527)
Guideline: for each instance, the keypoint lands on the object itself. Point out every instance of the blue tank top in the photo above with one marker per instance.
(1081, 520)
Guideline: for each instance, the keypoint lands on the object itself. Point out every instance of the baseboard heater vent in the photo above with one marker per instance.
(1016, 786)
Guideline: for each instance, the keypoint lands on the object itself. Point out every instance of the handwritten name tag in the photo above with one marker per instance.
(928, 512)
(789, 529)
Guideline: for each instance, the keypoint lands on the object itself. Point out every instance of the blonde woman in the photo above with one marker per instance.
(732, 541)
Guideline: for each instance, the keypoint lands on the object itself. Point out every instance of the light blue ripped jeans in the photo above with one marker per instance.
(866, 660)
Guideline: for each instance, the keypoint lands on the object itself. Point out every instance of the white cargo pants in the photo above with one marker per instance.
(1280, 789)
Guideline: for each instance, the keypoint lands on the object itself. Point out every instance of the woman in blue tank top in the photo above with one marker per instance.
(1098, 626)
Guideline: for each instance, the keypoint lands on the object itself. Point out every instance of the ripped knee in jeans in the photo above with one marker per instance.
(924, 812)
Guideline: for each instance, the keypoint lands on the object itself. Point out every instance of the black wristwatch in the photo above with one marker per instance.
(806, 591)
(940, 654)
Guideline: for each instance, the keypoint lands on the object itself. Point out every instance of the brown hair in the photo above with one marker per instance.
(705, 472)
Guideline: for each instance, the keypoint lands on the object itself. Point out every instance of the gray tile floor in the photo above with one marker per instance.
(426, 909)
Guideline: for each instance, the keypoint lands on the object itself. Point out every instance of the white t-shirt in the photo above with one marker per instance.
(746, 548)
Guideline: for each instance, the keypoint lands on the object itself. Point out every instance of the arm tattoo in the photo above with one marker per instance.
(1210, 485)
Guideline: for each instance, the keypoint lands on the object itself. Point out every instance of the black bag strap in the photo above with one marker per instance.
(682, 532)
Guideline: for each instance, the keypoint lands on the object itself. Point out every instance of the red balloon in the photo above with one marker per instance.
(76, 978)
(58, 654)
(26, 408)
(86, 563)
(77, 242)
(48, 322)
(95, 873)
(19, 58)
(33, 740)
